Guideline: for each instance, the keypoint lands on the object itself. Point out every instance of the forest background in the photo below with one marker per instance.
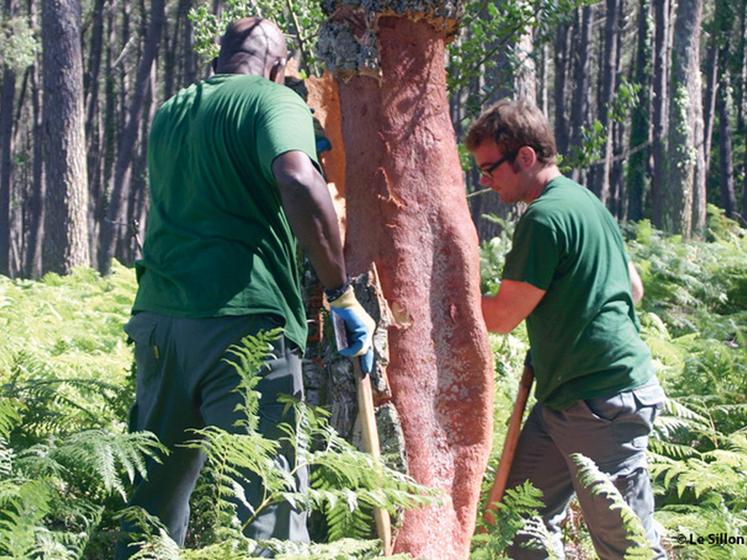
(647, 100)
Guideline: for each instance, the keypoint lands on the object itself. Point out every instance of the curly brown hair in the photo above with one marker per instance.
(511, 125)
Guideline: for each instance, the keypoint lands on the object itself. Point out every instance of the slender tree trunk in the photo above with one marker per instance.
(711, 75)
(35, 201)
(618, 198)
(581, 72)
(66, 231)
(684, 147)
(601, 185)
(561, 69)
(725, 151)
(411, 220)
(542, 82)
(638, 175)
(6, 151)
(6, 166)
(660, 106)
(116, 212)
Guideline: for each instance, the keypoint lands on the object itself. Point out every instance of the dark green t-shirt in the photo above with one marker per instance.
(218, 241)
(584, 333)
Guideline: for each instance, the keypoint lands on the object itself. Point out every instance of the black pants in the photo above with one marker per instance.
(183, 382)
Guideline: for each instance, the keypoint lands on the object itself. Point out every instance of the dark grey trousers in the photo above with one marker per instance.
(183, 382)
(613, 432)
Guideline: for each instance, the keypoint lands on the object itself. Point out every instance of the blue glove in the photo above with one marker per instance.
(359, 327)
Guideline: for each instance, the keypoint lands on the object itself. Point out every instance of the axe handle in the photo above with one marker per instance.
(371, 445)
(509, 446)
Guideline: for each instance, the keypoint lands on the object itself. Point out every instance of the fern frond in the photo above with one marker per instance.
(599, 484)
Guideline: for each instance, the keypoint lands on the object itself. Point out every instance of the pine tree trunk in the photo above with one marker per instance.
(725, 151)
(120, 191)
(581, 71)
(601, 185)
(684, 147)
(709, 101)
(66, 230)
(562, 65)
(407, 214)
(660, 106)
(638, 173)
(35, 201)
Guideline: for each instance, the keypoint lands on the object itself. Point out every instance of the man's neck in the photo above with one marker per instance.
(540, 181)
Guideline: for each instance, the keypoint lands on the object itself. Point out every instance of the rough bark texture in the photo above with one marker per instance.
(685, 148)
(660, 91)
(561, 66)
(114, 224)
(407, 213)
(66, 231)
(580, 103)
(725, 150)
(639, 168)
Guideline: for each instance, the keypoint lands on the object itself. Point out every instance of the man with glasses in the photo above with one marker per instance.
(568, 275)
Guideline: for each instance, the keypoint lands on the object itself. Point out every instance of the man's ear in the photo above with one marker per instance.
(277, 72)
(526, 157)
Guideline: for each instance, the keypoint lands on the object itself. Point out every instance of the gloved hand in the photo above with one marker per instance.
(359, 326)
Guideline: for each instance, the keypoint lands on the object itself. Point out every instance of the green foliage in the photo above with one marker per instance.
(516, 514)
(600, 485)
(299, 20)
(18, 46)
(66, 460)
(594, 135)
(495, 27)
(346, 484)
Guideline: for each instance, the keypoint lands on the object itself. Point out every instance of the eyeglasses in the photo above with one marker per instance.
(487, 172)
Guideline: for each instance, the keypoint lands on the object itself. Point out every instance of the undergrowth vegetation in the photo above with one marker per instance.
(66, 460)
(694, 319)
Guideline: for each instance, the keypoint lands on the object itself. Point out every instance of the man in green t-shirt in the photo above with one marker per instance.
(568, 275)
(234, 181)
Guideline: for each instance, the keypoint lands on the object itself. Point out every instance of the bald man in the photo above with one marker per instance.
(234, 181)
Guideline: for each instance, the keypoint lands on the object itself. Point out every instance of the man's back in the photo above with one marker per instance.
(584, 334)
(218, 242)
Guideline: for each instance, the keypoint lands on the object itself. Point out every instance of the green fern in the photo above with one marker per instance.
(600, 485)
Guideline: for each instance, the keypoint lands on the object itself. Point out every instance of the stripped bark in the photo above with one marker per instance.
(408, 215)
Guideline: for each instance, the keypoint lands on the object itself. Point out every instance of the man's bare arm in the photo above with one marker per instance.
(312, 216)
(513, 303)
(636, 284)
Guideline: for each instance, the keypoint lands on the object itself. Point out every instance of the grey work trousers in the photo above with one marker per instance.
(184, 382)
(613, 432)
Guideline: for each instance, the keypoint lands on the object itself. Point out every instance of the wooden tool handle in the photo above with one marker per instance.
(509, 445)
(372, 446)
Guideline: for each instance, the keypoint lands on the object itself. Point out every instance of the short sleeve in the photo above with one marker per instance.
(285, 125)
(535, 253)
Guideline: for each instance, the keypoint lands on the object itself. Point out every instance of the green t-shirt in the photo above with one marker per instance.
(584, 333)
(218, 241)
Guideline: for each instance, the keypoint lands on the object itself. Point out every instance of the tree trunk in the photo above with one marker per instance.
(407, 214)
(66, 231)
(6, 165)
(638, 174)
(35, 200)
(561, 69)
(601, 185)
(725, 151)
(684, 148)
(709, 102)
(660, 105)
(581, 71)
(6, 150)
(116, 213)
